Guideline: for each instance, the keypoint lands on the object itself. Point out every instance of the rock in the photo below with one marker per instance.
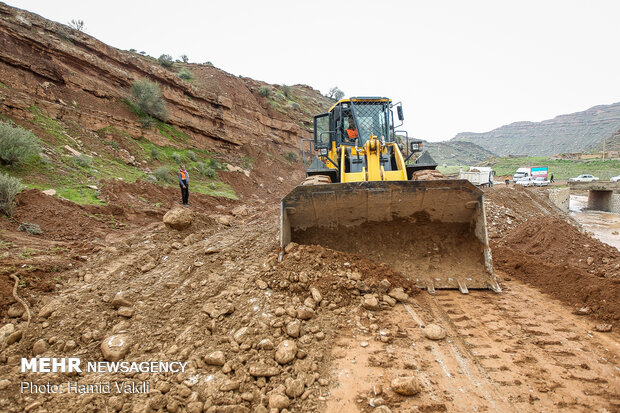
(240, 211)
(15, 311)
(72, 151)
(434, 332)
(194, 407)
(389, 300)
(290, 247)
(176, 245)
(294, 388)
(119, 300)
(229, 385)
(50, 192)
(382, 409)
(310, 303)
(4, 383)
(589, 260)
(323, 382)
(305, 313)
(125, 312)
(223, 219)
(278, 401)
(293, 328)
(265, 344)
(240, 335)
(261, 370)
(39, 347)
(115, 347)
(370, 302)
(399, 295)
(406, 386)
(178, 218)
(376, 401)
(384, 285)
(261, 284)
(320, 336)
(316, 295)
(148, 266)
(14, 338)
(583, 311)
(217, 358)
(603, 328)
(286, 351)
(364, 343)
(215, 312)
(49, 309)
(70, 345)
(6, 331)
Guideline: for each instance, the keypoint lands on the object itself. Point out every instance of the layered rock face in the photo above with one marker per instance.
(72, 76)
(573, 132)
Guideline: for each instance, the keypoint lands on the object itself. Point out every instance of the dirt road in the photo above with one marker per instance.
(215, 296)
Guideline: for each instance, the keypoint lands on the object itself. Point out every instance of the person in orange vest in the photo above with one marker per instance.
(184, 184)
(352, 130)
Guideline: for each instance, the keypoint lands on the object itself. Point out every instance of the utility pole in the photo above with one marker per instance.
(604, 140)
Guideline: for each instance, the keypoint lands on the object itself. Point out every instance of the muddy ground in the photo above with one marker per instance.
(323, 330)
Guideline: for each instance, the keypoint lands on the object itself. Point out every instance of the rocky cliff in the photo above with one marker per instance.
(72, 77)
(565, 133)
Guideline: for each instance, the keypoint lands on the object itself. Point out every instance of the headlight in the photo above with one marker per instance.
(323, 152)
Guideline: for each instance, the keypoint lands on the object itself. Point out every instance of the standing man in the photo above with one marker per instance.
(184, 184)
(551, 180)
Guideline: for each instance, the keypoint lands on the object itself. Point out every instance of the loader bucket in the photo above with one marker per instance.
(433, 232)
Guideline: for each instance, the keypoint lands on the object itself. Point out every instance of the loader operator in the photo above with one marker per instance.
(352, 130)
(184, 184)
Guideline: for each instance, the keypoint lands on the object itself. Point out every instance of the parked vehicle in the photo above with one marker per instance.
(540, 181)
(531, 171)
(527, 181)
(615, 178)
(584, 178)
(478, 175)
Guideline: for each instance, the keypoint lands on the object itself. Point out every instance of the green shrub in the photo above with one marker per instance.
(286, 90)
(165, 60)
(82, 160)
(162, 174)
(32, 229)
(293, 106)
(147, 96)
(184, 58)
(191, 155)
(291, 156)
(9, 187)
(206, 170)
(154, 153)
(151, 178)
(279, 96)
(185, 74)
(264, 91)
(147, 121)
(176, 157)
(16, 144)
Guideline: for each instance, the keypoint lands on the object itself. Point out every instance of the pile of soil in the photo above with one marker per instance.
(557, 242)
(554, 256)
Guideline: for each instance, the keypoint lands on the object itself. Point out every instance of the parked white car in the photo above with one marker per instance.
(615, 178)
(584, 178)
(540, 181)
(527, 181)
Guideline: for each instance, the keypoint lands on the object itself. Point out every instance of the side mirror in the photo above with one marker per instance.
(399, 111)
(416, 146)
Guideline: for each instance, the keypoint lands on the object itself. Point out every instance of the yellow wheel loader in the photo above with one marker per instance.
(364, 195)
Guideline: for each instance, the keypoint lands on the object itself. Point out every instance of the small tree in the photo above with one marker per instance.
(162, 174)
(165, 60)
(147, 96)
(185, 74)
(184, 58)
(335, 93)
(9, 187)
(77, 25)
(264, 91)
(286, 90)
(16, 144)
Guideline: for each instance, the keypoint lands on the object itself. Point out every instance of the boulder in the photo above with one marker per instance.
(115, 347)
(216, 358)
(434, 332)
(178, 218)
(286, 351)
(406, 386)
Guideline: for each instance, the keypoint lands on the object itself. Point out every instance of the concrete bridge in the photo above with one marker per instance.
(602, 195)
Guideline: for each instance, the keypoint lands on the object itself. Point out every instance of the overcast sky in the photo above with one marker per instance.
(456, 65)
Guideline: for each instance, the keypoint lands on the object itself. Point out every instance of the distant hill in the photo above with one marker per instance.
(573, 132)
(612, 143)
(457, 152)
